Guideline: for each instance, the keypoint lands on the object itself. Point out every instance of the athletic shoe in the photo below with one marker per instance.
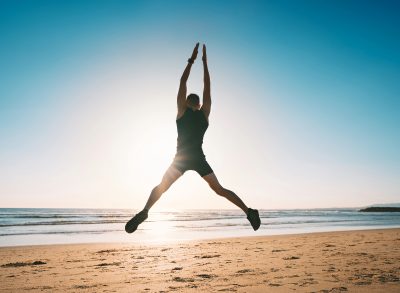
(133, 223)
(254, 218)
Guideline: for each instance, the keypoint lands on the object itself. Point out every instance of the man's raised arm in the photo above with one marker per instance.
(181, 98)
(207, 87)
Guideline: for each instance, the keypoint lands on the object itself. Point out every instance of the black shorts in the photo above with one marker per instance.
(196, 163)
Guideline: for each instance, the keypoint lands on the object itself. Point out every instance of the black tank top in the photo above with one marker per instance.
(191, 128)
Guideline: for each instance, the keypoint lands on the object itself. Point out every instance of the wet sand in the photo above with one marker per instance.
(351, 261)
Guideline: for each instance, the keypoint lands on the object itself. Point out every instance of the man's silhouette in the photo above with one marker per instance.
(192, 123)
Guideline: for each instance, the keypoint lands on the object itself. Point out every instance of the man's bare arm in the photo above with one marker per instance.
(207, 86)
(181, 98)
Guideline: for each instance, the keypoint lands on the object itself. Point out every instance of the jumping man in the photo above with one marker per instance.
(192, 123)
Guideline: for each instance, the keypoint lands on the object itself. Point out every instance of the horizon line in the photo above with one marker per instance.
(204, 209)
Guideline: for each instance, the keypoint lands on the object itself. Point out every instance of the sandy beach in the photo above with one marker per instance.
(351, 261)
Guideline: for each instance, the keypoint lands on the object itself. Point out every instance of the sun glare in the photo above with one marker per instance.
(160, 227)
(157, 150)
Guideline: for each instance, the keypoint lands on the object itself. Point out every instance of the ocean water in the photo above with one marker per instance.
(57, 226)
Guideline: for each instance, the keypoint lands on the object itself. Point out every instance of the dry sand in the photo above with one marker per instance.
(352, 261)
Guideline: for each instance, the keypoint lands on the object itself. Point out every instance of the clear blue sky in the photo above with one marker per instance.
(306, 101)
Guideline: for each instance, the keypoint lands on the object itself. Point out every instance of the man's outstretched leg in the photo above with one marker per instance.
(252, 215)
(170, 176)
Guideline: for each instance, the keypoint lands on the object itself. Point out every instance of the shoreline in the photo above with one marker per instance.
(44, 226)
(346, 261)
(188, 241)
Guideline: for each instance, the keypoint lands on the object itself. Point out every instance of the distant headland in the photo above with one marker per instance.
(380, 209)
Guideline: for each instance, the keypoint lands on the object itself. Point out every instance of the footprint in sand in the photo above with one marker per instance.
(104, 264)
(244, 271)
(388, 278)
(361, 283)
(23, 264)
(83, 286)
(291, 257)
(334, 290)
(206, 276)
(274, 270)
(208, 256)
(228, 289)
(279, 250)
(106, 251)
(183, 280)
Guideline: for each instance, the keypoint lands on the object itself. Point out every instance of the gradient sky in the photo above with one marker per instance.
(306, 102)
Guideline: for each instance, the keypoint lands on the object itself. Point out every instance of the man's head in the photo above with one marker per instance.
(193, 101)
